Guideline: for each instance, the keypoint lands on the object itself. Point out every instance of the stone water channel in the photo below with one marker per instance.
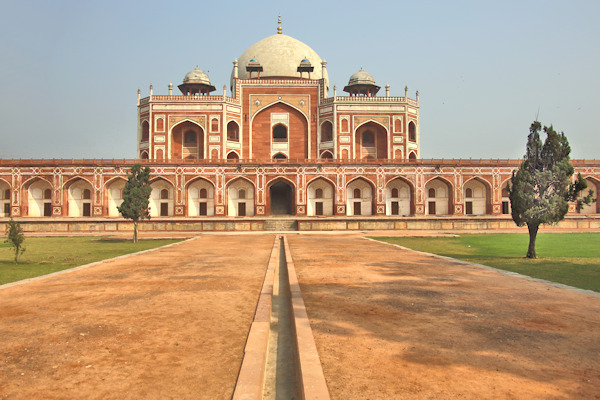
(280, 358)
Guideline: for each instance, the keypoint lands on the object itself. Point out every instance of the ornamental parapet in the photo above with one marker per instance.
(336, 162)
(366, 99)
(192, 99)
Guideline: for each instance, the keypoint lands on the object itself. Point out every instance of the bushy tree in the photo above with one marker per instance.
(15, 237)
(136, 196)
(541, 189)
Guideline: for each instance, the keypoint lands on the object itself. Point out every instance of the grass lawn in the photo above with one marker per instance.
(569, 258)
(44, 255)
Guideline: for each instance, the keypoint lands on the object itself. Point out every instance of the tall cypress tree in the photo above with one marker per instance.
(136, 196)
(541, 188)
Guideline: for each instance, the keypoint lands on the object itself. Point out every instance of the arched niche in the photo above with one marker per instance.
(240, 198)
(399, 198)
(201, 199)
(321, 194)
(359, 197)
(438, 197)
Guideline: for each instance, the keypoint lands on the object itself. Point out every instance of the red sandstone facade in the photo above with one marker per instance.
(278, 146)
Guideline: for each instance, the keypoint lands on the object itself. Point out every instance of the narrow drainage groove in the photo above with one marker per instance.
(281, 361)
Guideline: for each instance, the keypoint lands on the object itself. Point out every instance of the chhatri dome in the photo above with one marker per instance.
(196, 82)
(280, 55)
(361, 83)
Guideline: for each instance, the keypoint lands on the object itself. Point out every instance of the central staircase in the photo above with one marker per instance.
(281, 224)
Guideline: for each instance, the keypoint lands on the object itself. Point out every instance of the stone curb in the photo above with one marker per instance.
(251, 376)
(66, 271)
(310, 372)
(501, 271)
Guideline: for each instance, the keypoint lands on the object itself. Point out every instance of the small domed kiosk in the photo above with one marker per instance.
(196, 82)
(362, 83)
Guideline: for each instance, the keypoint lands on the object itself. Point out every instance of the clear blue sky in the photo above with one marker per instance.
(70, 70)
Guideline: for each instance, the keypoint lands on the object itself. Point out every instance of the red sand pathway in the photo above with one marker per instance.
(169, 324)
(394, 324)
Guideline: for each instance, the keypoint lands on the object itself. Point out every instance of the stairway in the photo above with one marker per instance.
(281, 224)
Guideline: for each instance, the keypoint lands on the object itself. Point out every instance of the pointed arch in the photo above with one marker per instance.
(326, 131)
(263, 144)
(145, 134)
(267, 106)
(5, 195)
(400, 197)
(281, 199)
(326, 155)
(79, 196)
(240, 206)
(158, 204)
(360, 193)
(443, 202)
(233, 131)
(34, 192)
(233, 155)
(481, 201)
(321, 197)
(179, 148)
(113, 192)
(593, 184)
(371, 140)
(200, 195)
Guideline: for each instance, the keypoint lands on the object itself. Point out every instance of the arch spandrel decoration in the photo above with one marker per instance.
(198, 119)
(258, 102)
(359, 120)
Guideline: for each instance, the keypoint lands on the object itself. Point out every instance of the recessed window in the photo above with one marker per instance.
(189, 139)
(412, 132)
(203, 193)
(469, 193)
(87, 194)
(326, 132)
(47, 194)
(280, 133)
(394, 192)
(164, 194)
(368, 139)
(319, 193)
(431, 193)
(233, 131)
(145, 131)
(356, 193)
(214, 125)
(241, 194)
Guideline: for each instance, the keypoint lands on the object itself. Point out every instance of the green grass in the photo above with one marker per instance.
(44, 255)
(569, 258)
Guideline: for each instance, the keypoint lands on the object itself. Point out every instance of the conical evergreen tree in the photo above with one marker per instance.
(541, 189)
(136, 196)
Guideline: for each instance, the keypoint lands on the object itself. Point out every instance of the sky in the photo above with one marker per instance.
(70, 70)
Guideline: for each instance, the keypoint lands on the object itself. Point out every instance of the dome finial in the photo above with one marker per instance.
(279, 25)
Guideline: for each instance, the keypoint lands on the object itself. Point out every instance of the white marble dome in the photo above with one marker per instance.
(196, 76)
(280, 55)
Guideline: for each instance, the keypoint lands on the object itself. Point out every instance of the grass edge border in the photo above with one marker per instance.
(92, 264)
(487, 267)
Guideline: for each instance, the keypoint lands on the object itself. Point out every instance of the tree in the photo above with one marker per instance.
(135, 197)
(15, 237)
(541, 189)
